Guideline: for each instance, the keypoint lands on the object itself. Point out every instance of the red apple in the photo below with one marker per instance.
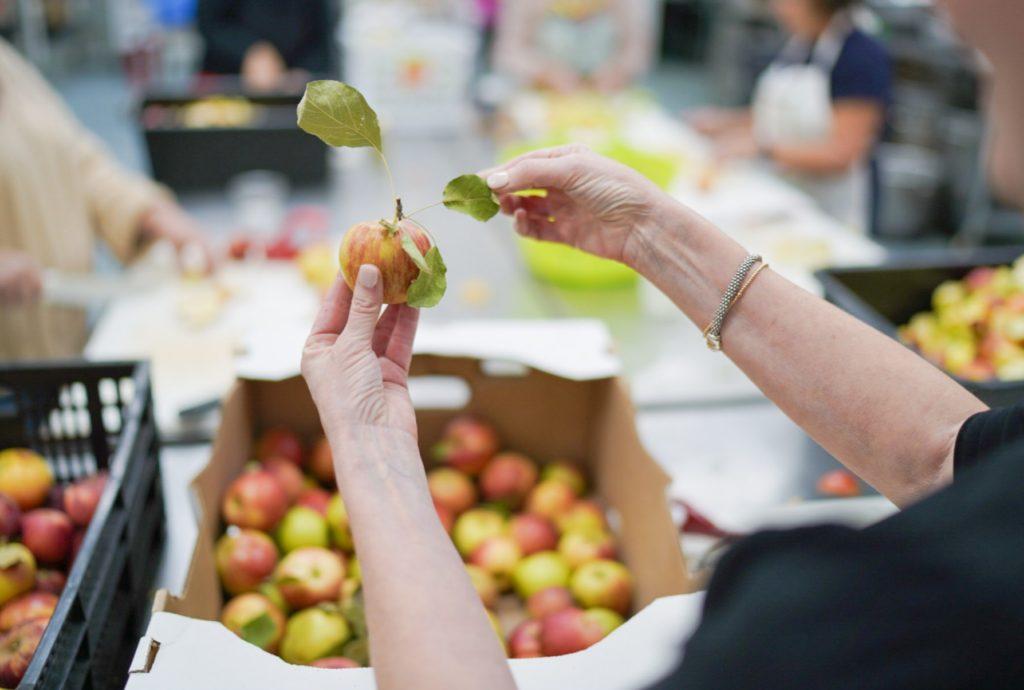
(508, 477)
(25, 477)
(309, 576)
(10, 517)
(549, 600)
(27, 607)
(255, 619)
(567, 472)
(244, 559)
(583, 546)
(321, 462)
(315, 498)
(51, 581)
(82, 497)
(288, 474)
(499, 556)
(533, 533)
(446, 516)
(524, 642)
(582, 516)
(47, 533)
(255, 500)
(603, 583)
(335, 662)
(16, 649)
(551, 498)
(452, 489)
(569, 631)
(467, 444)
(484, 584)
(380, 244)
(474, 527)
(279, 442)
(979, 277)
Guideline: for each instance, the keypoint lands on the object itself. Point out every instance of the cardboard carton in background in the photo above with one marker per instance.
(541, 414)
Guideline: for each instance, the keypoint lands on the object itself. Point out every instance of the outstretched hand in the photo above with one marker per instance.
(356, 362)
(591, 203)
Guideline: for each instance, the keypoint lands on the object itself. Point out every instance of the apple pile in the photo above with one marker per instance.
(537, 549)
(976, 327)
(41, 529)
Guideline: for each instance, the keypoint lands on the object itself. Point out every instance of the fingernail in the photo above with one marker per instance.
(368, 276)
(497, 180)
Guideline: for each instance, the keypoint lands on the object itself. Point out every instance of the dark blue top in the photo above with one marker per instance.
(863, 70)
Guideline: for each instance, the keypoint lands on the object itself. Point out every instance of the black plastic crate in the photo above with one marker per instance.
(83, 417)
(887, 296)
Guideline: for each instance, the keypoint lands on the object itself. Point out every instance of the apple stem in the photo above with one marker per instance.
(398, 211)
(420, 210)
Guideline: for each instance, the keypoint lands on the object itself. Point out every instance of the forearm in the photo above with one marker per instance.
(876, 406)
(428, 627)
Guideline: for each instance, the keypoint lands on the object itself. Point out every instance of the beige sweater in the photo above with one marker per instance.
(60, 191)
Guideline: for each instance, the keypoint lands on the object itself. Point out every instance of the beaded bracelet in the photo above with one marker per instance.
(737, 286)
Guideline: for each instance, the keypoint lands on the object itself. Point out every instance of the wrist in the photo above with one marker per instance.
(374, 450)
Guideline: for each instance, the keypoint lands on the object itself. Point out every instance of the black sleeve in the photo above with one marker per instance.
(987, 433)
(227, 39)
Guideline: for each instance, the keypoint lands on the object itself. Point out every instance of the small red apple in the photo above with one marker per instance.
(255, 500)
(255, 619)
(25, 476)
(524, 642)
(321, 462)
(16, 649)
(47, 533)
(279, 442)
(51, 581)
(27, 607)
(508, 477)
(244, 560)
(315, 498)
(10, 517)
(380, 244)
(551, 498)
(335, 662)
(82, 497)
(452, 489)
(467, 444)
(533, 533)
(310, 575)
(569, 631)
(549, 600)
(288, 474)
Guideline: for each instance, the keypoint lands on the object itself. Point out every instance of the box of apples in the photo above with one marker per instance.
(541, 482)
(81, 521)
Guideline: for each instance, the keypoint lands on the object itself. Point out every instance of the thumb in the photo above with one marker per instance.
(534, 173)
(365, 310)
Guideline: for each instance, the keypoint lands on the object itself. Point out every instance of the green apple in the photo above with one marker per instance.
(540, 571)
(603, 583)
(564, 471)
(474, 527)
(337, 520)
(17, 571)
(608, 620)
(272, 592)
(302, 526)
(314, 633)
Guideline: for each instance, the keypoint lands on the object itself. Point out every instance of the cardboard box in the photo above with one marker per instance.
(542, 414)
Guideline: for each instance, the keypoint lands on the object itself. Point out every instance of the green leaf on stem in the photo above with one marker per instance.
(414, 252)
(470, 194)
(428, 289)
(339, 115)
(259, 631)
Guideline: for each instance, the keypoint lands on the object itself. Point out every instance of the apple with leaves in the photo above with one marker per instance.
(255, 619)
(411, 266)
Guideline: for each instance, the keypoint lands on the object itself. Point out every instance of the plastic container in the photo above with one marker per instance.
(886, 296)
(84, 417)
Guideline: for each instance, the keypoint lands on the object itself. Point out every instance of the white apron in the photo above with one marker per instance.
(793, 105)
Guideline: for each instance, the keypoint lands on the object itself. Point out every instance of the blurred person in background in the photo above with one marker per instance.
(931, 597)
(61, 191)
(818, 111)
(566, 45)
(264, 41)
